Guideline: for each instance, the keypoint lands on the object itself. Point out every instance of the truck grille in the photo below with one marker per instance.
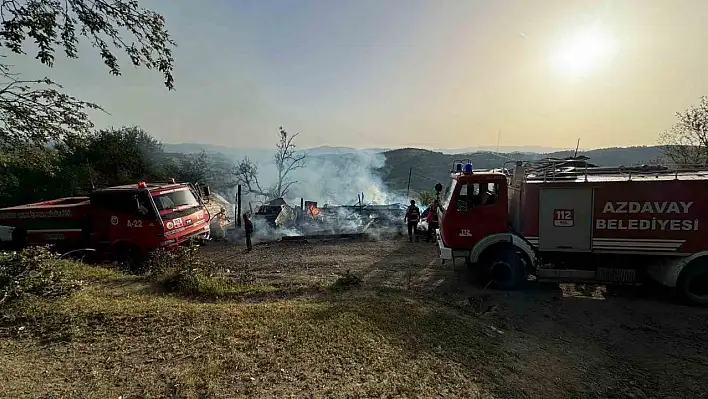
(625, 276)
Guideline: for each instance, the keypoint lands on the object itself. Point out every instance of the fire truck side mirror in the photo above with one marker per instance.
(206, 191)
(438, 188)
(138, 206)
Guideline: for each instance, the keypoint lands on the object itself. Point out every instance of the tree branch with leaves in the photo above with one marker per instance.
(34, 111)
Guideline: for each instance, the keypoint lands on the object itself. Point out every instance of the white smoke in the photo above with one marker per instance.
(336, 178)
(329, 179)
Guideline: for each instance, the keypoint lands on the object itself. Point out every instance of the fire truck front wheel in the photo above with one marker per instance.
(19, 239)
(692, 284)
(128, 257)
(504, 266)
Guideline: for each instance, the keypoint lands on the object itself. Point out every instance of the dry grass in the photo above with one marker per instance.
(101, 345)
(277, 327)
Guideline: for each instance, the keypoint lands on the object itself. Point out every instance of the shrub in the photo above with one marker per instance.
(185, 272)
(164, 262)
(34, 272)
(346, 281)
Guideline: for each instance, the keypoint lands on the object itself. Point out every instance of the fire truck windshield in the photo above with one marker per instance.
(175, 200)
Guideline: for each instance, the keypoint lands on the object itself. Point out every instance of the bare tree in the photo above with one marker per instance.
(34, 111)
(246, 174)
(286, 160)
(687, 141)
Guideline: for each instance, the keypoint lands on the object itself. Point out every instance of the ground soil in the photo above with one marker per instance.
(562, 340)
(411, 328)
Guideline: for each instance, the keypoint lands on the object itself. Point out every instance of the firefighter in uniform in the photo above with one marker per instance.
(248, 227)
(433, 222)
(411, 219)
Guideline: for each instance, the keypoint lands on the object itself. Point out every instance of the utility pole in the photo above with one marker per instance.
(238, 206)
(576, 148)
(408, 191)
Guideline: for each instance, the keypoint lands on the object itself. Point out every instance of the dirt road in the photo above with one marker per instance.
(559, 341)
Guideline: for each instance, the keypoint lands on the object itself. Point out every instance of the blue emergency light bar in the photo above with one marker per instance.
(468, 168)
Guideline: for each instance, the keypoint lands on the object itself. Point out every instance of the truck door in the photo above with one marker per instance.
(565, 219)
(480, 210)
(116, 218)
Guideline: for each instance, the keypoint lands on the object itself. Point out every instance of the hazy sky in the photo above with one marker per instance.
(428, 73)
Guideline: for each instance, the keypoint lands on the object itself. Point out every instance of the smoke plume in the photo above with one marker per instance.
(330, 179)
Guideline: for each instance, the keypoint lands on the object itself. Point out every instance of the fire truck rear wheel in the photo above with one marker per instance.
(505, 268)
(692, 284)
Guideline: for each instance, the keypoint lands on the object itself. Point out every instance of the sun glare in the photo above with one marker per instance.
(583, 52)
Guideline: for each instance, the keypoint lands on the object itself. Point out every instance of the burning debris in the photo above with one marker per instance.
(276, 219)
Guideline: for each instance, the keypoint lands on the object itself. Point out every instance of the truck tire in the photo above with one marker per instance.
(19, 239)
(128, 258)
(504, 267)
(692, 284)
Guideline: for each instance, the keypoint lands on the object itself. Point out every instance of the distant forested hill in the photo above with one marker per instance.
(430, 167)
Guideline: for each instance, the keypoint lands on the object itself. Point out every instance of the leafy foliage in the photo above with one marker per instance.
(101, 159)
(28, 167)
(202, 167)
(33, 272)
(112, 157)
(34, 111)
(686, 143)
(426, 197)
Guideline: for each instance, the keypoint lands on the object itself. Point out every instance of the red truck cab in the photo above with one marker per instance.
(475, 207)
(123, 223)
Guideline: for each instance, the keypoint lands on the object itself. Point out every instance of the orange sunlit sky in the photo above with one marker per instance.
(427, 73)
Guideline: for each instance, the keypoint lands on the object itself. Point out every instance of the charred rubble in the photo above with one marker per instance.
(309, 219)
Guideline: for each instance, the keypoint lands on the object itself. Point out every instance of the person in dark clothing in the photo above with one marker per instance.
(433, 221)
(411, 219)
(248, 227)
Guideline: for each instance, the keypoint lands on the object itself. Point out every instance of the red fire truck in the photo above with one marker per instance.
(561, 220)
(122, 223)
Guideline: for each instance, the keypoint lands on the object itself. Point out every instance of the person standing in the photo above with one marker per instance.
(411, 219)
(433, 221)
(248, 227)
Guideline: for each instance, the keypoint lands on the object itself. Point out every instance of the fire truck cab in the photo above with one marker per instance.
(122, 223)
(563, 222)
(474, 226)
